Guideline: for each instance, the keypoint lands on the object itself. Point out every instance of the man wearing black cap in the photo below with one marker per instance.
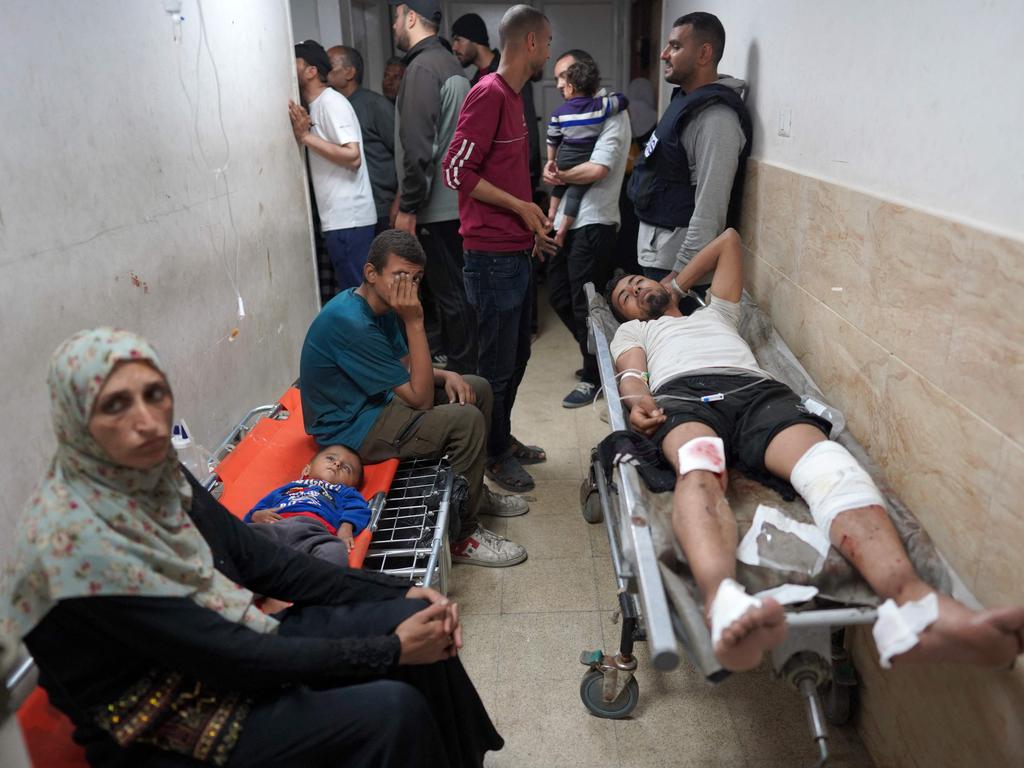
(341, 183)
(471, 45)
(426, 111)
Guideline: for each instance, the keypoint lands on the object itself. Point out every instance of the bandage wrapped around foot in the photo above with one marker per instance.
(705, 453)
(898, 628)
(831, 481)
(731, 601)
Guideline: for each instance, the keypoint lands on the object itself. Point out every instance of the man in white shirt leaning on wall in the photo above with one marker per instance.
(341, 182)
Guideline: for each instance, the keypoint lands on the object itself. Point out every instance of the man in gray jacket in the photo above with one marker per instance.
(687, 187)
(426, 112)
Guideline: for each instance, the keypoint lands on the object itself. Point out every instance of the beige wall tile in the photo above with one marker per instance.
(938, 716)
(780, 232)
(985, 369)
(918, 266)
(750, 218)
(1000, 578)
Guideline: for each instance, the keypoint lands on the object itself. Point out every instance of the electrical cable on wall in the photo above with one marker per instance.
(205, 160)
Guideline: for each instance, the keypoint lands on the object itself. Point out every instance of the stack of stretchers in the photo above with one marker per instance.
(658, 598)
(267, 449)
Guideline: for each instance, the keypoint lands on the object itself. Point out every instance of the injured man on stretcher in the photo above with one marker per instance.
(693, 386)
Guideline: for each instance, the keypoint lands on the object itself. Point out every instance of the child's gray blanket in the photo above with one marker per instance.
(837, 580)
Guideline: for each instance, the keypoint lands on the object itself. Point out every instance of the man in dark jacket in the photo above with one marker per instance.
(427, 109)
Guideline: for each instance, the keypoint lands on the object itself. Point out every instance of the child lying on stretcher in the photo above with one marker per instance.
(320, 513)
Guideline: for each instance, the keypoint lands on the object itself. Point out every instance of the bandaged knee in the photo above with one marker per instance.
(730, 603)
(831, 481)
(704, 453)
(898, 628)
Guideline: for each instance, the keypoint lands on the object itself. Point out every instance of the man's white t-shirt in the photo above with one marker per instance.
(676, 346)
(344, 197)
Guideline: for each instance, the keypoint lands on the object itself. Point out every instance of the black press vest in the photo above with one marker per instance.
(660, 185)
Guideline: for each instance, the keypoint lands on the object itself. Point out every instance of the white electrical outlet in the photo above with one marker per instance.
(785, 122)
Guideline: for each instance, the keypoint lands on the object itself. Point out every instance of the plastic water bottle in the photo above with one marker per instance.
(832, 415)
(192, 455)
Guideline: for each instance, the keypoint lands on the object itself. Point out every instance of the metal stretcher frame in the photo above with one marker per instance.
(657, 607)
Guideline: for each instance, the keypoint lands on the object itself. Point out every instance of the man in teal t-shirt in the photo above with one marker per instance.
(368, 386)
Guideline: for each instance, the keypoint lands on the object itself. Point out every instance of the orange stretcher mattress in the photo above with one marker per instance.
(274, 453)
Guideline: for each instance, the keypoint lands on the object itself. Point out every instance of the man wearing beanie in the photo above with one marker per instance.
(337, 165)
(426, 111)
(471, 45)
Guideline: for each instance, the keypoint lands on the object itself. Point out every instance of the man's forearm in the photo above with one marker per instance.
(421, 371)
(708, 258)
(345, 155)
(486, 192)
(584, 173)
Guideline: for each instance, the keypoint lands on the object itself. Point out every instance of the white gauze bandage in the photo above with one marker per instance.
(897, 629)
(707, 453)
(731, 602)
(831, 481)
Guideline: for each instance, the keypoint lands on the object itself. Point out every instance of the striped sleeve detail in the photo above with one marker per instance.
(451, 172)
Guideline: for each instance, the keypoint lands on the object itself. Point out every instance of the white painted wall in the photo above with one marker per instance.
(106, 217)
(918, 101)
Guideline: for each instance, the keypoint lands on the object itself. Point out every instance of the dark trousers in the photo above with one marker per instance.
(460, 431)
(428, 715)
(584, 258)
(453, 315)
(348, 249)
(306, 535)
(497, 285)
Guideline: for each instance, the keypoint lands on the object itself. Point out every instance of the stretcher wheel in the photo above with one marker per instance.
(590, 502)
(838, 701)
(590, 692)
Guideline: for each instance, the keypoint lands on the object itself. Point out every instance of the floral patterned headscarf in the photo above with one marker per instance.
(93, 527)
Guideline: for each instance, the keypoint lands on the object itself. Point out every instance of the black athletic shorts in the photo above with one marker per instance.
(746, 420)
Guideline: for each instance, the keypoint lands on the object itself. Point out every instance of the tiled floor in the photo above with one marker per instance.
(525, 627)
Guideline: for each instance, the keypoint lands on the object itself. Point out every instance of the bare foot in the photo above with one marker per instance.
(744, 642)
(992, 638)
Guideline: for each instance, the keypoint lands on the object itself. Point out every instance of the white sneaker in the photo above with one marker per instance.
(484, 547)
(500, 505)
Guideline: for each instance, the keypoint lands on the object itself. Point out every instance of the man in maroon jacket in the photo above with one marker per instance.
(488, 165)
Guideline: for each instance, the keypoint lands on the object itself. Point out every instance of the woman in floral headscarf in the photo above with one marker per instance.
(131, 587)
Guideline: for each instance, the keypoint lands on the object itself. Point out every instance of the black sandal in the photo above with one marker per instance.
(528, 454)
(510, 475)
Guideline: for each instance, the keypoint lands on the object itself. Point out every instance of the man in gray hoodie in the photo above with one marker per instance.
(687, 187)
(426, 112)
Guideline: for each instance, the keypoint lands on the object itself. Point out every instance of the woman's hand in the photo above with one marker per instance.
(266, 515)
(423, 637)
(453, 624)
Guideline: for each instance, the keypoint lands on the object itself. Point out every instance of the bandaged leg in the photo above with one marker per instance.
(831, 482)
(706, 453)
(898, 628)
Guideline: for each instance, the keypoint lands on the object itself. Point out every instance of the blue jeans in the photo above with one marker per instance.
(497, 286)
(348, 249)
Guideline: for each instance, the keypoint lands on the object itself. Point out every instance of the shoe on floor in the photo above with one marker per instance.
(584, 394)
(500, 505)
(439, 361)
(486, 548)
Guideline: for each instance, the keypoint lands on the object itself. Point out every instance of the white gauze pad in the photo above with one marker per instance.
(707, 453)
(898, 627)
(731, 602)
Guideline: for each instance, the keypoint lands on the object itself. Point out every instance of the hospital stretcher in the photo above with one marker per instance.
(658, 599)
(406, 537)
